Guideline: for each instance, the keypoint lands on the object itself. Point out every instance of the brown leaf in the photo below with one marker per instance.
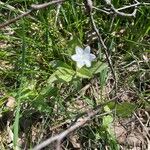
(11, 102)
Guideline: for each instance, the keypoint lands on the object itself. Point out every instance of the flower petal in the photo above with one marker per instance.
(80, 64)
(76, 57)
(92, 57)
(87, 63)
(87, 50)
(79, 50)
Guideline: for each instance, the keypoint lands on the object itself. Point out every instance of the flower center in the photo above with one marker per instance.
(85, 57)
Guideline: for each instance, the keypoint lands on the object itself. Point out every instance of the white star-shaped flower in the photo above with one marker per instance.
(83, 57)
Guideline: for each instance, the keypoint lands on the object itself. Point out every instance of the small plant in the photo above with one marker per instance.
(52, 89)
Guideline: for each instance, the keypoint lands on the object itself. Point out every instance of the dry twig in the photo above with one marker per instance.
(77, 123)
(11, 8)
(89, 9)
(144, 127)
(121, 13)
(112, 9)
(72, 128)
(33, 8)
(117, 11)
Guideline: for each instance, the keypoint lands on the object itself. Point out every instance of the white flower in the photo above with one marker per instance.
(83, 57)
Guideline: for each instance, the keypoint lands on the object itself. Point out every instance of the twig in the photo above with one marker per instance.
(88, 3)
(108, 2)
(144, 127)
(124, 14)
(15, 19)
(133, 5)
(79, 121)
(11, 8)
(102, 10)
(58, 146)
(41, 6)
(113, 10)
(33, 7)
(60, 125)
(72, 128)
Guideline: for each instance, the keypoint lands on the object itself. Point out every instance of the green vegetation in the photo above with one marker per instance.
(42, 91)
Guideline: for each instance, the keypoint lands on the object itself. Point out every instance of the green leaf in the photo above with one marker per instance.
(40, 102)
(107, 120)
(62, 75)
(98, 67)
(103, 77)
(57, 63)
(84, 73)
(27, 91)
(125, 109)
(42, 106)
(45, 92)
(106, 108)
(3, 100)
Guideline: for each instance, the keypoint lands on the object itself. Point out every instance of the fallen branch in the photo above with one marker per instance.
(41, 6)
(80, 121)
(15, 19)
(122, 13)
(11, 8)
(72, 128)
(112, 10)
(33, 8)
